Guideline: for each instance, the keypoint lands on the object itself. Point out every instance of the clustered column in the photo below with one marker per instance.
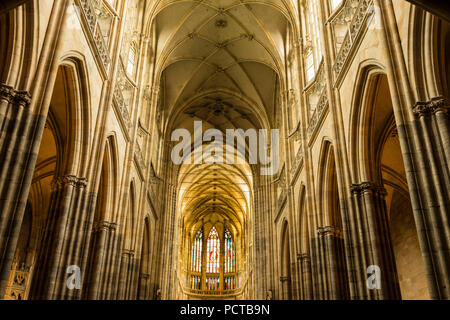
(65, 235)
(15, 121)
(374, 236)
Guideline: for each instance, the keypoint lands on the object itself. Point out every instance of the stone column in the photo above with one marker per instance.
(126, 274)
(65, 227)
(7, 5)
(304, 261)
(423, 156)
(143, 286)
(111, 265)
(436, 7)
(22, 122)
(335, 273)
(99, 254)
(321, 283)
(433, 129)
(15, 137)
(377, 244)
(285, 285)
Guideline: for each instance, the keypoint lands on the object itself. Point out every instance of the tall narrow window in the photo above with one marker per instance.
(335, 4)
(313, 46)
(196, 265)
(131, 59)
(230, 253)
(213, 250)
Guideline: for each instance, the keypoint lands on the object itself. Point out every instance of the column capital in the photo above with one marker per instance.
(303, 257)
(19, 97)
(72, 180)
(367, 187)
(6, 92)
(128, 252)
(285, 279)
(104, 226)
(328, 230)
(434, 106)
(145, 276)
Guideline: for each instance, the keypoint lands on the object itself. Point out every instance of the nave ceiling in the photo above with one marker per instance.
(219, 62)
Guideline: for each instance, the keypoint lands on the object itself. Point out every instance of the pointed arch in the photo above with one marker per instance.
(130, 217)
(285, 258)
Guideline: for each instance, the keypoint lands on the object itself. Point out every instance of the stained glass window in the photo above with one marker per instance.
(230, 253)
(196, 265)
(212, 251)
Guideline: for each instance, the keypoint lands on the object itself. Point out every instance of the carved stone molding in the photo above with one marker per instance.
(303, 257)
(317, 116)
(363, 187)
(140, 157)
(145, 276)
(432, 107)
(356, 28)
(128, 252)
(329, 230)
(72, 180)
(298, 162)
(123, 108)
(17, 97)
(93, 24)
(104, 226)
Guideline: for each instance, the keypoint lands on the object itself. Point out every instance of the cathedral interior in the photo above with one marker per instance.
(94, 207)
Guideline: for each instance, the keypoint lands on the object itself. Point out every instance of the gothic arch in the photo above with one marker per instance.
(18, 45)
(326, 170)
(285, 262)
(360, 147)
(303, 221)
(331, 233)
(130, 218)
(144, 292)
(78, 126)
(429, 51)
(379, 167)
(99, 257)
(68, 124)
(304, 256)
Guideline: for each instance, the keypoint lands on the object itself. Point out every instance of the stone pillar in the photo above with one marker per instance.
(285, 287)
(64, 232)
(377, 244)
(99, 254)
(15, 138)
(22, 122)
(304, 262)
(126, 274)
(436, 7)
(334, 266)
(111, 265)
(423, 156)
(433, 128)
(143, 286)
(7, 5)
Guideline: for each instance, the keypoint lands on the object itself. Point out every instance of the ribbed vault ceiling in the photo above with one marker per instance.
(220, 62)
